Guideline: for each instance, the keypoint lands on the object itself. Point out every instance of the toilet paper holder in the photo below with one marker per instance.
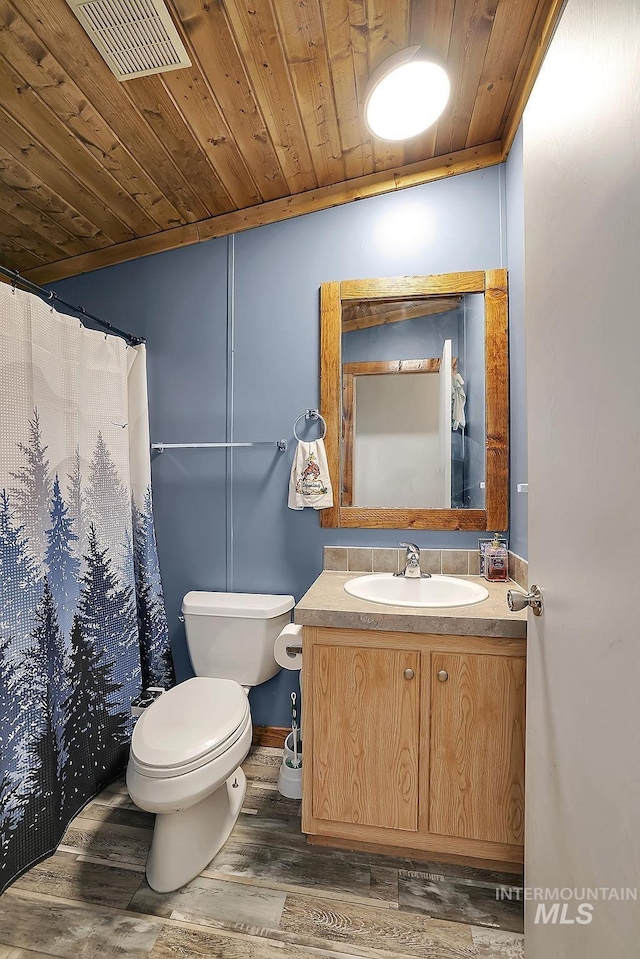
(287, 649)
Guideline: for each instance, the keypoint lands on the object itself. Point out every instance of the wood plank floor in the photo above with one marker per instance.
(266, 895)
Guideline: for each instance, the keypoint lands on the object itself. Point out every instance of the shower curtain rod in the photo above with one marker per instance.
(51, 295)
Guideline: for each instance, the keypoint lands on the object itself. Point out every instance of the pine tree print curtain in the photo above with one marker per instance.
(82, 620)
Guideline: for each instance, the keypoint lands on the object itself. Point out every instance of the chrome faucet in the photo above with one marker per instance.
(412, 567)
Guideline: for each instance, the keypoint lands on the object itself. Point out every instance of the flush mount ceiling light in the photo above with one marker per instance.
(405, 95)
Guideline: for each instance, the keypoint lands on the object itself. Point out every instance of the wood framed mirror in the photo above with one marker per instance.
(414, 382)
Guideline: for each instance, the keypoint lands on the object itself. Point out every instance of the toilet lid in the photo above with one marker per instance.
(188, 722)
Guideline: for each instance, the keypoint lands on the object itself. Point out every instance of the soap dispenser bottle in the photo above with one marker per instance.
(496, 561)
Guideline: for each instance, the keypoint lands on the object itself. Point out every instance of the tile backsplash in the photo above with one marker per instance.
(456, 562)
(519, 570)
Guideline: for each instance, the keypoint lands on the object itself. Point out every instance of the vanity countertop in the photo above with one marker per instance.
(327, 604)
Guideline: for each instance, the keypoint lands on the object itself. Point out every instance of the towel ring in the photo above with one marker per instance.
(310, 415)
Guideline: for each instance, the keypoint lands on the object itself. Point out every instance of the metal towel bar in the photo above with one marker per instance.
(281, 445)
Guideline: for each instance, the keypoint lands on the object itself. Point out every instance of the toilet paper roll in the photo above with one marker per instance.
(291, 635)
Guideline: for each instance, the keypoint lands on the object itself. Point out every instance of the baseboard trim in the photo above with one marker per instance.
(270, 735)
(421, 855)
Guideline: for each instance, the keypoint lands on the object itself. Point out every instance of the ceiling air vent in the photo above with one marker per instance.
(135, 37)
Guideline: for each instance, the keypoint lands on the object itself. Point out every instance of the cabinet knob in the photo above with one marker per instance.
(443, 675)
(409, 673)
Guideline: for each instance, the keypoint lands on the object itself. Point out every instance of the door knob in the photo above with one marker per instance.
(409, 673)
(516, 600)
(443, 675)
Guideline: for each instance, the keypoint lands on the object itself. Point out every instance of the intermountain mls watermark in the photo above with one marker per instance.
(565, 907)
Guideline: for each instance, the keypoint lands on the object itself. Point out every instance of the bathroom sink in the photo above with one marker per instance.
(435, 592)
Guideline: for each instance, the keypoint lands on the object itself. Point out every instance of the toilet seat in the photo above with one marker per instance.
(189, 726)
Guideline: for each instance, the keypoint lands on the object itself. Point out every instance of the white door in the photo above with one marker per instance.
(445, 424)
(582, 276)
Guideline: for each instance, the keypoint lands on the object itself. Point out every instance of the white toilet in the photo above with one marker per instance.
(188, 746)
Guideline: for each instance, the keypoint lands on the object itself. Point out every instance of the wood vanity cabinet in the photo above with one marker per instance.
(415, 741)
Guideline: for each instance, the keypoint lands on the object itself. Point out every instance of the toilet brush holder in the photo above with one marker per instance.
(290, 777)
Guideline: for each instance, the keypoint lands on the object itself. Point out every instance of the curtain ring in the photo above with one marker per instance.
(51, 298)
(310, 415)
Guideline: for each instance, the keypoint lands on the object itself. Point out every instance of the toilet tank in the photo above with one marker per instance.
(231, 635)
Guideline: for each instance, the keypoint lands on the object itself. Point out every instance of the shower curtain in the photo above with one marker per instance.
(82, 620)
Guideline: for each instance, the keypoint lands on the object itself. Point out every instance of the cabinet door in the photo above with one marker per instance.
(365, 735)
(476, 766)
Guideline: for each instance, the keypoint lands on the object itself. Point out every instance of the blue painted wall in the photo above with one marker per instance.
(180, 301)
(514, 217)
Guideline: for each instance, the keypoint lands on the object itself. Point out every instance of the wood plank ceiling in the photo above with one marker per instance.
(266, 124)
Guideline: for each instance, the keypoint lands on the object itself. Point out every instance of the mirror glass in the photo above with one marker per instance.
(413, 402)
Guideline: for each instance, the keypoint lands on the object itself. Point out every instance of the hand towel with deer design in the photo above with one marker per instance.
(309, 484)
